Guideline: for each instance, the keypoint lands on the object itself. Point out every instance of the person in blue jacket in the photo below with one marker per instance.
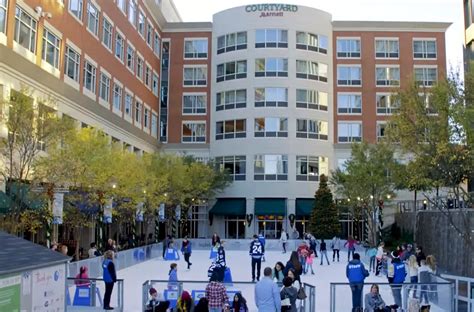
(356, 274)
(110, 277)
(186, 250)
(257, 250)
(261, 239)
(173, 276)
(399, 274)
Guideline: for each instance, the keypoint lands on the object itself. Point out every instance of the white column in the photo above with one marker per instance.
(250, 208)
(290, 209)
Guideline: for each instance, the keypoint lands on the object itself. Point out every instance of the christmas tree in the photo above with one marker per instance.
(324, 221)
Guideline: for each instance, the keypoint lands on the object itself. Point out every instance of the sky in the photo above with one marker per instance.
(372, 10)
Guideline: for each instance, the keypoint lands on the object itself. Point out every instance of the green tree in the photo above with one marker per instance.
(324, 221)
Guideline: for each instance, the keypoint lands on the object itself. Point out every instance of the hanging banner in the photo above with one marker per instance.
(139, 214)
(108, 211)
(178, 212)
(58, 205)
(190, 212)
(161, 212)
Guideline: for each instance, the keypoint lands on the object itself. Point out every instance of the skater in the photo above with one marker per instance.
(413, 271)
(379, 258)
(371, 253)
(109, 276)
(156, 305)
(350, 243)
(220, 262)
(288, 295)
(420, 255)
(186, 250)
(324, 252)
(173, 276)
(424, 276)
(257, 250)
(284, 240)
(303, 252)
(356, 274)
(374, 302)
(295, 265)
(336, 247)
(216, 295)
(313, 244)
(309, 262)
(165, 244)
(278, 274)
(239, 304)
(261, 238)
(399, 275)
(267, 294)
(215, 239)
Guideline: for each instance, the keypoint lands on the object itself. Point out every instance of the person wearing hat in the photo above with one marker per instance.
(399, 274)
(157, 304)
(185, 303)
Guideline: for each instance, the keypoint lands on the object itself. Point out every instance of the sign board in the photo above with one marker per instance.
(10, 288)
(108, 211)
(161, 212)
(58, 205)
(139, 214)
(178, 212)
(271, 9)
(48, 289)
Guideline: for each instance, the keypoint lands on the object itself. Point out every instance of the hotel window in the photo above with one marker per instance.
(387, 76)
(3, 15)
(195, 48)
(232, 42)
(138, 113)
(271, 127)
(231, 99)
(349, 103)
(51, 45)
(75, 8)
(140, 68)
(117, 97)
(154, 125)
(270, 167)
(155, 84)
(271, 97)
(309, 168)
(271, 38)
(426, 76)
(131, 58)
(25, 29)
(311, 99)
(89, 76)
(194, 104)
(147, 76)
(231, 129)
(193, 132)
(234, 165)
(271, 67)
(311, 129)
(386, 48)
(107, 31)
(429, 105)
(132, 12)
(122, 4)
(92, 18)
(323, 44)
(311, 70)
(72, 61)
(424, 49)
(141, 23)
(149, 34)
(195, 76)
(307, 41)
(128, 104)
(348, 48)
(119, 46)
(156, 44)
(381, 127)
(349, 76)
(349, 132)
(104, 87)
(146, 116)
(387, 104)
(231, 70)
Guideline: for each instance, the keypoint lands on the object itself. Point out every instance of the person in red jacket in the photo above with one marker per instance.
(303, 252)
(351, 242)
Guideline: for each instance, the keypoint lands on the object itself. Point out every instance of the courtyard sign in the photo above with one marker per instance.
(271, 9)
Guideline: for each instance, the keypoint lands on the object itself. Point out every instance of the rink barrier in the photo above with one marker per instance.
(440, 295)
(463, 291)
(197, 290)
(88, 296)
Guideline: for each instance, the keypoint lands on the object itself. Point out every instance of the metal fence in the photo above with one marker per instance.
(197, 289)
(88, 294)
(463, 292)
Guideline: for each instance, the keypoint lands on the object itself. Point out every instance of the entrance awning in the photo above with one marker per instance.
(21, 193)
(5, 202)
(304, 206)
(229, 207)
(270, 206)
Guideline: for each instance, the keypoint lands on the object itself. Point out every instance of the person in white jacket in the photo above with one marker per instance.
(284, 240)
(379, 258)
(336, 246)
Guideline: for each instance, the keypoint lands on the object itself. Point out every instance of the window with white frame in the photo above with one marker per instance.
(107, 32)
(348, 47)
(349, 132)
(271, 67)
(138, 112)
(122, 4)
(154, 125)
(72, 61)
(25, 29)
(271, 127)
(271, 97)
(3, 15)
(194, 104)
(349, 103)
(429, 105)
(311, 70)
(141, 23)
(147, 76)
(231, 129)
(387, 48)
(104, 87)
(195, 76)
(426, 76)
(156, 44)
(155, 84)
(232, 42)
(424, 49)
(307, 41)
(271, 38)
(311, 99)
(195, 48)
(231, 99)
(146, 117)
(349, 75)
(119, 46)
(131, 58)
(75, 8)
(90, 72)
(311, 129)
(270, 167)
(381, 127)
(128, 104)
(92, 18)
(51, 46)
(387, 103)
(193, 132)
(132, 12)
(387, 76)
(309, 168)
(140, 67)
(231, 70)
(117, 97)
(234, 165)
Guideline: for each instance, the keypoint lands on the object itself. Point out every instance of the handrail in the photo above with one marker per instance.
(90, 279)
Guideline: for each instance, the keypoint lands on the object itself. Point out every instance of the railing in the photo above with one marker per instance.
(197, 290)
(439, 296)
(88, 294)
(463, 292)
(443, 202)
